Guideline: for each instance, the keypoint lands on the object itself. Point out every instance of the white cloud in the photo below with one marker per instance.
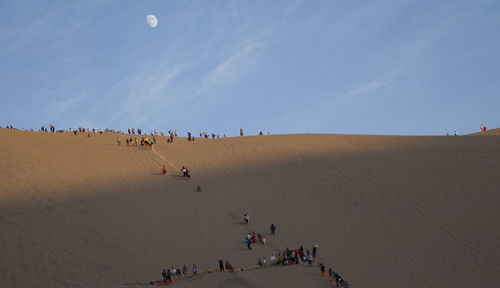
(232, 67)
(369, 87)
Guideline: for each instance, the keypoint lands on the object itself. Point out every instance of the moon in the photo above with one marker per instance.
(152, 21)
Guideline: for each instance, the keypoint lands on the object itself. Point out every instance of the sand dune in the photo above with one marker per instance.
(488, 132)
(387, 211)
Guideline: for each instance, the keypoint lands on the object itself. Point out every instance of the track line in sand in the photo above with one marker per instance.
(163, 158)
(433, 224)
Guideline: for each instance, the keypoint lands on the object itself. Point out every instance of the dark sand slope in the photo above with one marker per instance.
(387, 211)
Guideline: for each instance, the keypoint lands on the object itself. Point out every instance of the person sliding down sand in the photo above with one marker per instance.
(246, 217)
(185, 172)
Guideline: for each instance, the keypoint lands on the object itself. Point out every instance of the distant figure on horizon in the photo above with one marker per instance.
(455, 133)
(241, 131)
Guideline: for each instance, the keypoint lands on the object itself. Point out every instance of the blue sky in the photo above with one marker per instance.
(369, 67)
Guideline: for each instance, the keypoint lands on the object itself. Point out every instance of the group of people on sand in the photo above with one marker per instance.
(132, 131)
(227, 266)
(144, 141)
(299, 256)
(171, 133)
(287, 257)
(206, 135)
(184, 173)
(295, 256)
(44, 129)
(252, 238)
(483, 128)
(173, 275)
(334, 276)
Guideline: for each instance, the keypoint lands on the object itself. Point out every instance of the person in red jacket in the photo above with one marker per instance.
(164, 170)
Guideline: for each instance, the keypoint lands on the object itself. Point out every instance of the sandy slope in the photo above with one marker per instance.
(488, 132)
(387, 211)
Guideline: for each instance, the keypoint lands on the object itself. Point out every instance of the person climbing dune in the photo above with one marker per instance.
(163, 170)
